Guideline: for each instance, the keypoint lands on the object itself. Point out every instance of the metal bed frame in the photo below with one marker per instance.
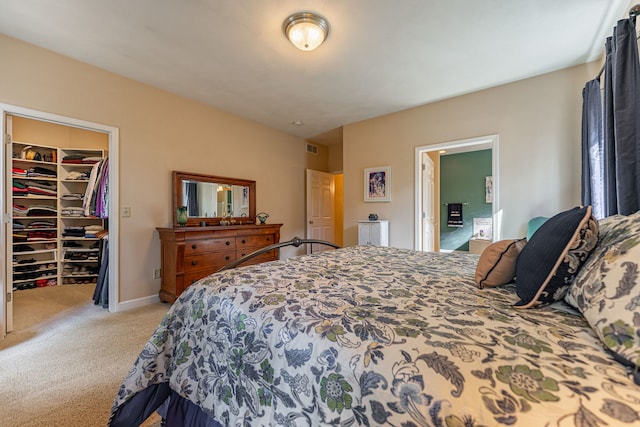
(296, 242)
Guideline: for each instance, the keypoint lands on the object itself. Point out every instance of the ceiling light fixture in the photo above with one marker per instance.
(306, 30)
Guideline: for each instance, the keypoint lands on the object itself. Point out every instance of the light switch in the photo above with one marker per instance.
(126, 212)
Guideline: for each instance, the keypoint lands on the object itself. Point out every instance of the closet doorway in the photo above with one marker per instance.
(427, 177)
(67, 128)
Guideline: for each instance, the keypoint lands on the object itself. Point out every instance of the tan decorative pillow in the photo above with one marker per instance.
(497, 264)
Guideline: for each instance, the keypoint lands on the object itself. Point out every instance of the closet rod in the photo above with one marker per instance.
(633, 12)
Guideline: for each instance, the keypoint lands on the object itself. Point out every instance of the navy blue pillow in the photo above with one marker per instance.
(553, 256)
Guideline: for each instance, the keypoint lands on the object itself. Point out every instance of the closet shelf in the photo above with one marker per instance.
(41, 251)
(15, 264)
(67, 276)
(33, 162)
(78, 217)
(68, 239)
(51, 276)
(32, 197)
(34, 178)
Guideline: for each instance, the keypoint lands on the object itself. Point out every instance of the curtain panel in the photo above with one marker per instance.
(611, 129)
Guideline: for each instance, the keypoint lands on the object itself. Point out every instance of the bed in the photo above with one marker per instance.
(370, 335)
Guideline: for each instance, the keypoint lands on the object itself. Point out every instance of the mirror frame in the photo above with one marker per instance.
(178, 177)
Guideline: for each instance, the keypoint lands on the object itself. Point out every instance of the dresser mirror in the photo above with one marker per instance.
(213, 200)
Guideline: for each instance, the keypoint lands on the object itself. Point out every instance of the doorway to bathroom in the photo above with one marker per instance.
(437, 226)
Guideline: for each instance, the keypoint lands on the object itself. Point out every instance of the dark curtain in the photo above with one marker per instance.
(192, 199)
(592, 161)
(620, 142)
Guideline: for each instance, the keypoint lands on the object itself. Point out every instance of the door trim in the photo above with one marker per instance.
(114, 208)
(463, 145)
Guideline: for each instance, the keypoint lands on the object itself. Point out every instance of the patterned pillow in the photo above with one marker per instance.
(612, 229)
(497, 263)
(608, 293)
(551, 259)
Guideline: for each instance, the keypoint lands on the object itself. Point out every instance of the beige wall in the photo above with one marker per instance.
(160, 132)
(55, 135)
(335, 158)
(538, 123)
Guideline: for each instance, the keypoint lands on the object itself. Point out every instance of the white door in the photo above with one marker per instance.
(320, 209)
(6, 290)
(428, 208)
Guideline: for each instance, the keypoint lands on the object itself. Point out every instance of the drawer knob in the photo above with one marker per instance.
(227, 243)
(244, 241)
(268, 239)
(194, 262)
(227, 258)
(194, 246)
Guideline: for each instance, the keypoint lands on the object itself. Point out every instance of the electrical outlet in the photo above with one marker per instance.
(126, 212)
(156, 273)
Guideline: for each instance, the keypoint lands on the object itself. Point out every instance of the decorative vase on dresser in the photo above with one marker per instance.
(191, 253)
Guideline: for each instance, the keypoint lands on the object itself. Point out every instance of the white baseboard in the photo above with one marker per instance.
(138, 302)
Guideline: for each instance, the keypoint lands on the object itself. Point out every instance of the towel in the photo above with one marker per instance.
(454, 215)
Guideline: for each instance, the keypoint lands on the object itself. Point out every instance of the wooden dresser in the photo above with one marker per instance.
(191, 253)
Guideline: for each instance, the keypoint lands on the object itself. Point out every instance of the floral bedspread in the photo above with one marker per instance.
(379, 336)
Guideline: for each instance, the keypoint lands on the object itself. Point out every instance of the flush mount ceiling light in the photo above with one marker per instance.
(306, 30)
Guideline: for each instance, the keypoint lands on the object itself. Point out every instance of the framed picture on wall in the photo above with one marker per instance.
(377, 184)
(488, 189)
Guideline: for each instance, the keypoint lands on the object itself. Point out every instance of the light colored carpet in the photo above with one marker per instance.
(67, 357)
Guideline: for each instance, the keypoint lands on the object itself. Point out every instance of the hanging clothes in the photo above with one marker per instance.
(93, 178)
(101, 292)
(96, 198)
(102, 193)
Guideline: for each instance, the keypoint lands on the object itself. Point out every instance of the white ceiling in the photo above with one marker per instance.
(381, 56)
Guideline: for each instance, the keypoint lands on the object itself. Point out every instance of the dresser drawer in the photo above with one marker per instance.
(191, 278)
(267, 256)
(207, 261)
(258, 240)
(193, 247)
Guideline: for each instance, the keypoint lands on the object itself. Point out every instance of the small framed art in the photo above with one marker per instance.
(488, 189)
(377, 184)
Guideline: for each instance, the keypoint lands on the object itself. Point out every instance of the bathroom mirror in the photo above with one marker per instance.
(210, 199)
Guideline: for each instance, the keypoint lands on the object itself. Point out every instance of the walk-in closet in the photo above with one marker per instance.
(57, 184)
